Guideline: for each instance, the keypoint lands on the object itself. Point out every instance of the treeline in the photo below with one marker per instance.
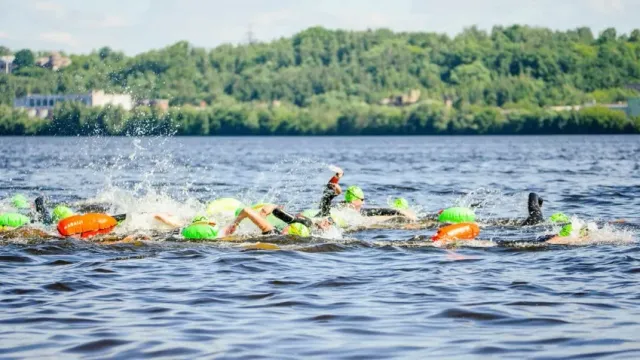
(353, 119)
(333, 82)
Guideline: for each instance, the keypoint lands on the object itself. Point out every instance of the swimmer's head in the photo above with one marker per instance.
(20, 201)
(298, 229)
(61, 212)
(323, 224)
(400, 204)
(353, 193)
(199, 219)
(568, 229)
(559, 218)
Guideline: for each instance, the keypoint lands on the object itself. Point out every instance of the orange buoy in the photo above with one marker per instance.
(89, 224)
(462, 231)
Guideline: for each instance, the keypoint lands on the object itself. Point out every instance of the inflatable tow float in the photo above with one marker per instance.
(87, 225)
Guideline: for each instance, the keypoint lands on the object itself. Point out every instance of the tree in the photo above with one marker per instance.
(4, 51)
(24, 58)
(326, 82)
(608, 35)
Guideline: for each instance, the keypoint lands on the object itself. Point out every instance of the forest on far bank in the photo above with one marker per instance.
(335, 82)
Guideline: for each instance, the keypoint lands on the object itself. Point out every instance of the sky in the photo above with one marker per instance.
(134, 26)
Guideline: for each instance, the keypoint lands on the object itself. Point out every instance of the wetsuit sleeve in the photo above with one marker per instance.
(290, 219)
(286, 217)
(535, 212)
(325, 202)
(539, 239)
(380, 212)
(42, 214)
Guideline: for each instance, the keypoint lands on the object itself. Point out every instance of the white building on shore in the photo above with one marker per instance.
(6, 63)
(42, 105)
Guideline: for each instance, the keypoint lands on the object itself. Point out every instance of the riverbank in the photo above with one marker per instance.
(347, 119)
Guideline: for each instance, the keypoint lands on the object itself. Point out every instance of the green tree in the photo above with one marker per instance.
(24, 58)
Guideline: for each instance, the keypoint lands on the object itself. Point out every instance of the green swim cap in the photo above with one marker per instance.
(559, 218)
(238, 211)
(200, 232)
(199, 218)
(61, 212)
(19, 201)
(353, 193)
(223, 206)
(566, 230)
(400, 204)
(298, 229)
(338, 219)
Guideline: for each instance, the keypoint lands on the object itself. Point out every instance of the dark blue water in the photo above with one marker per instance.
(375, 293)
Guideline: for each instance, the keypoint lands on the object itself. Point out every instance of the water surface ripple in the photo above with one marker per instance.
(374, 294)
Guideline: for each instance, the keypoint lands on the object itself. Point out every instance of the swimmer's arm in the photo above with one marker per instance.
(167, 220)
(330, 193)
(267, 210)
(409, 215)
(259, 221)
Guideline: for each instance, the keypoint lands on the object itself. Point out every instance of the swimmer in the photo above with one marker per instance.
(202, 228)
(25, 214)
(299, 224)
(354, 199)
(564, 236)
(534, 207)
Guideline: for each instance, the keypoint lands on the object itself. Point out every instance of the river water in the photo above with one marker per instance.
(374, 293)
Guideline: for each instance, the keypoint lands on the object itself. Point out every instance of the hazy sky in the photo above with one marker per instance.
(138, 25)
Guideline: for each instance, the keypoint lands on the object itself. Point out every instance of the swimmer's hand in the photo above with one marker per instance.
(337, 170)
(230, 230)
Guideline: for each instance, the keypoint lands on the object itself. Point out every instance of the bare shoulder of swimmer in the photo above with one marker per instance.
(409, 214)
(566, 240)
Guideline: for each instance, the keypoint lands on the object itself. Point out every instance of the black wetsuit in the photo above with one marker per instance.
(535, 211)
(538, 239)
(289, 219)
(41, 215)
(325, 202)
(329, 194)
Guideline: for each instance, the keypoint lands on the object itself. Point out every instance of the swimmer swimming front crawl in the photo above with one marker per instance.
(354, 199)
(299, 225)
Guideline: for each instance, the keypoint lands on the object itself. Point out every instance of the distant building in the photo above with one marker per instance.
(54, 61)
(162, 104)
(402, 100)
(6, 63)
(42, 105)
(635, 86)
(621, 106)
